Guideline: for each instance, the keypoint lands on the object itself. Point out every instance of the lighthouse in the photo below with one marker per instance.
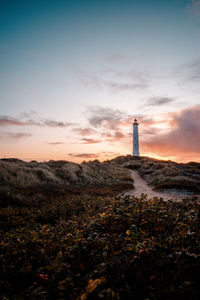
(135, 139)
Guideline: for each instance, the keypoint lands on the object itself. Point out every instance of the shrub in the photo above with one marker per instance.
(81, 247)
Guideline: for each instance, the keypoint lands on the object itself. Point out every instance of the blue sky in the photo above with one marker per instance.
(62, 61)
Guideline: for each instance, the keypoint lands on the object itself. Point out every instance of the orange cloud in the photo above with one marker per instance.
(84, 131)
(182, 140)
(171, 135)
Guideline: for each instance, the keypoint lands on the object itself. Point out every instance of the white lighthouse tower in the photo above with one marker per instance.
(135, 139)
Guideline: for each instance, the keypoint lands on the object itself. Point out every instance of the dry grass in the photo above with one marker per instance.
(19, 173)
(22, 173)
(159, 174)
(164, 174)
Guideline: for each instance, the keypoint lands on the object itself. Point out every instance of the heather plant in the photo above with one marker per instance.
(94, 247)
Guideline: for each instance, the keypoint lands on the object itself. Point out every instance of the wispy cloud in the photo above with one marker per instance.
(120, 86)
(114, 136)
(53, 123)
(29, 115)
(15, 136)
(84, 155)
(103, 154)
(90, 141)
(194, 7)
(158, 101)
(114, 83)
(98, 116)
(109, 154)
(190, 71)
(84, 131)
(112, 119)
(86, 135)
(10, 121)
(55, 143)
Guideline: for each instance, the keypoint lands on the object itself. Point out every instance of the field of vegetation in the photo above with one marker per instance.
(89, 241)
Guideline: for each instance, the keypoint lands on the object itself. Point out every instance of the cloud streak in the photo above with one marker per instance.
(84, 155)
(102, 154)
(55, 143)
(119, 86)
(158, 101)
(116, 83)
(90, 141)
(54, 124)
(84, 131)
(10, 121)
(16, 136)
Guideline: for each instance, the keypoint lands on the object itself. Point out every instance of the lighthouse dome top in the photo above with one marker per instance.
(135, 121)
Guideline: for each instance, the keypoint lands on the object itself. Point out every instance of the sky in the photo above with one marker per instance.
(75, 74)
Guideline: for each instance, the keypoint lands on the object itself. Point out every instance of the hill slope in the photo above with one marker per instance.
(164, 174)
(18, 172)
(159, 174)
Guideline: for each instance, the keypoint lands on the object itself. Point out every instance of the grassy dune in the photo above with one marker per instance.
(159, 174)
(164, 174)
(14, 172)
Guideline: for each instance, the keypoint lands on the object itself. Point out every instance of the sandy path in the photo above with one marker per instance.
(141, 186)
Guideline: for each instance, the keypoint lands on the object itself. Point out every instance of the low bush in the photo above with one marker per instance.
(98, 247)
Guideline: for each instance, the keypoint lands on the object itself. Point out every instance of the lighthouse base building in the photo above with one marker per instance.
(135, 139)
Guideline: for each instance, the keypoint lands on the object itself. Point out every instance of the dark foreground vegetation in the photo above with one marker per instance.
(74, 243)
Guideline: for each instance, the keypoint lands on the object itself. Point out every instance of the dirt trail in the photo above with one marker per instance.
(141, 186)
